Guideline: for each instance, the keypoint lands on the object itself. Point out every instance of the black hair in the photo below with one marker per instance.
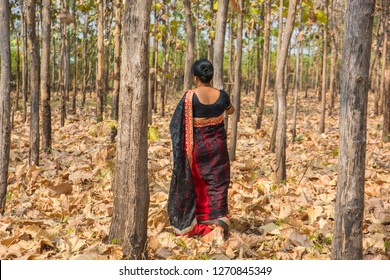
(204, 70)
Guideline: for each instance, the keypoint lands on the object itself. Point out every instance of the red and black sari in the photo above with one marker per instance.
(201, 172)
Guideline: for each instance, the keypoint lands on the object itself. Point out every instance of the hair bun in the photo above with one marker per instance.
(207, 71)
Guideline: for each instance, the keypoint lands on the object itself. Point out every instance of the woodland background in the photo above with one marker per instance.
(89, 109)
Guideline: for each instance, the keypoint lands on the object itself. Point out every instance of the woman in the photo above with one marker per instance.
(197, 201)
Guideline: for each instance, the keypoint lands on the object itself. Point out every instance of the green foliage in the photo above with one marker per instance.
(153, 134)
(321, 16)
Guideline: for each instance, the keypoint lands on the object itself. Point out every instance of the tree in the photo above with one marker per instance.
(348, 232)
(24, 59)
(34, 83)
(297, 73)
(264, 73)
(117, 64)
(100, 61)
(5, 100)
(188, 77)
(280, 170)
(324, 71)
(237, 84)
(219, 43)
(45, 74)
(131, 190)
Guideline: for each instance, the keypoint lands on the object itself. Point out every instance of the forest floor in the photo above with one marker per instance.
(62, 209)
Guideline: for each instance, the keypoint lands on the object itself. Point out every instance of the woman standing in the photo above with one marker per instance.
(197, 201)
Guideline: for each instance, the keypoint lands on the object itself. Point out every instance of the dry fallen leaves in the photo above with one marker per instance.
(62, 209)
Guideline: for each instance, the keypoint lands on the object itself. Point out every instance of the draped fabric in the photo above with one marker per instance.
(201, 172)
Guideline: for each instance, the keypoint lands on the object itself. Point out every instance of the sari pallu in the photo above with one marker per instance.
(201, 172)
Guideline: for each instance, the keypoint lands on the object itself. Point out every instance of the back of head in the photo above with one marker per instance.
(203, 69)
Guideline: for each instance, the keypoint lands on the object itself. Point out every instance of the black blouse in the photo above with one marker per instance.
(210, 110)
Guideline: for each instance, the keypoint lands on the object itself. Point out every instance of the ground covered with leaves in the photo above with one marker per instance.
(62, 209)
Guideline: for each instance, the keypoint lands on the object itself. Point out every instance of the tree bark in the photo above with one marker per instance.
(219, 43)
(34, 83)
(117, 64)
(265, 69)
(24, 59)
(100, 62)
(131, 190)
(5, 100)
(324, 71)
(386, 108)
(280, 171)
(384, 62)
(237, 84)
(84, 63)
(333, 64)
(189, 61)
(298, 72)
(75, 56)
(45, 75)
(276, 106)
(210, 45)
(231, 63)
(348, 232)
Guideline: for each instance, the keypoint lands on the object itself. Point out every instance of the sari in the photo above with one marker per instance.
(200, 174)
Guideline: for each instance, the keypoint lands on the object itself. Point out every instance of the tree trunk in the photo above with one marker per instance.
(117, 65)
(100, 62)
(265, 69)
(34, 83)
(231, 62)
(45, 75)
(164, 79)
(54, 67)
(24, 59)
(188, 76)
(324, 71)
(237, 84)
(276, 106)
(386, 108)
(210, 45)
(297, 73)
(280, 171)
(5, 100)
(219, 43)
(258, 64)
(384, 62)
(131, 190)
(84, 56)
(75, 55)
(348, 231)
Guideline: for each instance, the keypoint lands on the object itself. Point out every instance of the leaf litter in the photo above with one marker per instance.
(62, 209)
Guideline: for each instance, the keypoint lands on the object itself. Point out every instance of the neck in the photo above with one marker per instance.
(204, 84)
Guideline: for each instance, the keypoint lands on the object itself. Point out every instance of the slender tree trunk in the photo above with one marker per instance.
(100, 62)
(384, 63)
(164, 79)
(17, 72)
(75, 55)
(84, 62)
(5, 100)
(237, 84)
(131, 198)
(117, 65)
(324, 72)
(258, 67)
(24, 59)
(386, 108)
(188, 76)
(210, 44)
(297, 73)
(219, 43)
(54, 67)
(34, 83)
(276, 106)
(280, 171)
(61, 73)
(231, 62)
(45, 75)
(348, 231)
(197, 41)
(264, 74)
(333, 64)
